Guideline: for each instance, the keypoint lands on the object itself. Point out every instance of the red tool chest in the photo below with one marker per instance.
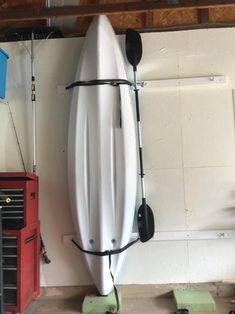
(21, 239)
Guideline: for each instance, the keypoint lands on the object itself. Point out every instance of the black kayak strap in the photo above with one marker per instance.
(107, 252)
(112, 82)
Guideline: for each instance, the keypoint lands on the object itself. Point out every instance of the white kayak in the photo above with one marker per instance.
(102, 155)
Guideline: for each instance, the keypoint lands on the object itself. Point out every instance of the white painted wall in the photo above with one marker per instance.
(189, 149)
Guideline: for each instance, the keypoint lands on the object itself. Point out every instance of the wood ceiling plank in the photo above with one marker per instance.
(124, 21)
(118, 21)
(222, 15)
(173, 18)
(109, 8)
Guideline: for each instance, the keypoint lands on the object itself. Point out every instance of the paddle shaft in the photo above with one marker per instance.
(139, 135)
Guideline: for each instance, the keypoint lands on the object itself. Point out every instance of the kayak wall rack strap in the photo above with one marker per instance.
(107, 252)
(112, 82)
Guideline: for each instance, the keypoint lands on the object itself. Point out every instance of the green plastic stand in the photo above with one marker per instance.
(100, 304)
(194, 300)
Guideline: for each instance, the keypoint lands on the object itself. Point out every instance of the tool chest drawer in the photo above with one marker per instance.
(9, 245)
(18, 199)
(21, 253)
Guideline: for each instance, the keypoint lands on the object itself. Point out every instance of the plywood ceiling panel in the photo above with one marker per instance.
(119, 21)
(172, 18)
(222, 15)
(123, 21)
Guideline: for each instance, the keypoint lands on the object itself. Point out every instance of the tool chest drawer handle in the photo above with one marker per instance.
(31, 238)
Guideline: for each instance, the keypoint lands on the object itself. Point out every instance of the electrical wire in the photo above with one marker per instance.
(17, 138)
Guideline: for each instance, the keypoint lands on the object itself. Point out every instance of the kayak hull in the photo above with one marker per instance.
(102, 155)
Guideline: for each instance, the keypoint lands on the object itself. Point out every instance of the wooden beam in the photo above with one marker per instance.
(203, 15)
(76, 33)
(149, 19)
(109, 8)
(160, 29)
(175, 28)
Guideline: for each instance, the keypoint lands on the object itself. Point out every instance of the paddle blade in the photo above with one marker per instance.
(145, 220)
(133, 47)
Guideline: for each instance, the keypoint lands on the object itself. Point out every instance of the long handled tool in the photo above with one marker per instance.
(32, 33)
(145, 217)
(26, 33)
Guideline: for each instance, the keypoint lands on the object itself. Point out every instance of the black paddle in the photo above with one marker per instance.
(145, 216)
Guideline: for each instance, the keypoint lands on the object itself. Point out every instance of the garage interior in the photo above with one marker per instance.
(187, 106)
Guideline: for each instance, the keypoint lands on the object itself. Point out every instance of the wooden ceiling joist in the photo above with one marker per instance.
(109, 9)
(203, 16)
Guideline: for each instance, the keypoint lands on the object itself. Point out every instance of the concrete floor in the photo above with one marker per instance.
(158, 305)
